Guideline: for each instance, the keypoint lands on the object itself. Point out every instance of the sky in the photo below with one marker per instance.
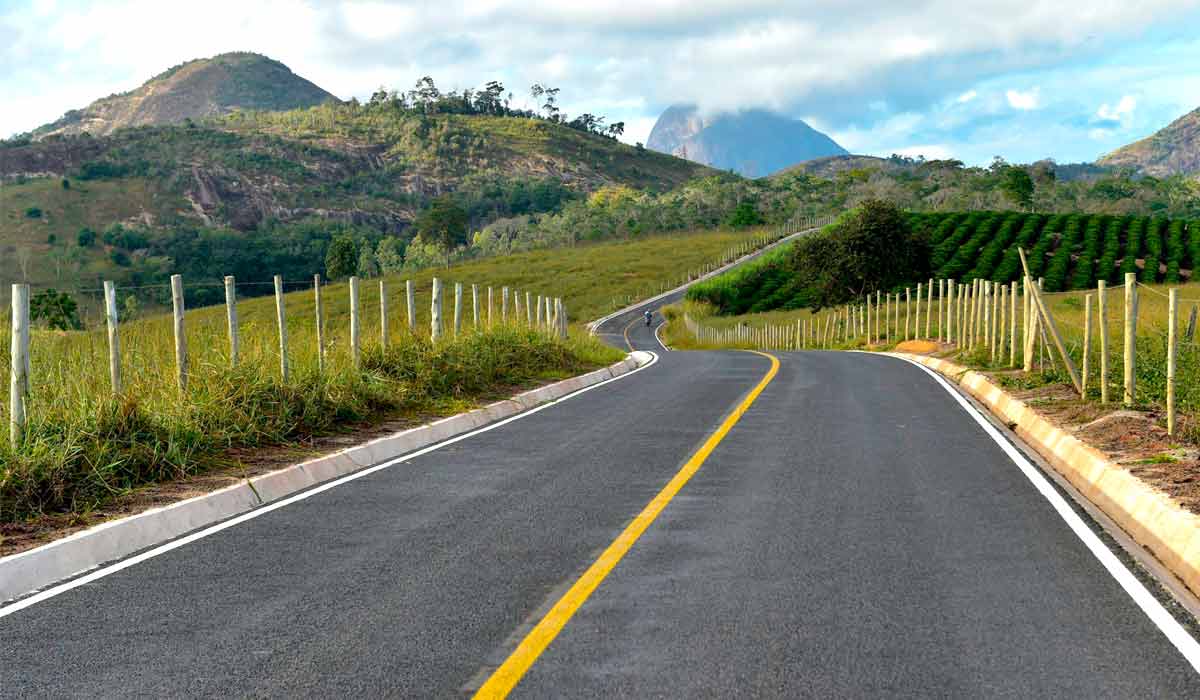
(940, 78)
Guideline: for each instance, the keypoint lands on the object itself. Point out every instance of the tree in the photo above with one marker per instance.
(746, 214)
(443, 224)
(57, 309)
(1017, 185)
(86, 237)
(66, 184)
(873, 249)
(367, 266)
(390, 255)
(341, 260)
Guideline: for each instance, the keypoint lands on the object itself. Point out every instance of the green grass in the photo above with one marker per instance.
(83, 445)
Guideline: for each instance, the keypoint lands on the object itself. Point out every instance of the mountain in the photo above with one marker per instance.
(753, 142)
(198, 89)
(1172, 150)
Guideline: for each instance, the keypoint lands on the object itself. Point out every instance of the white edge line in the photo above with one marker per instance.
(276, 505)
(1165, 622)
(659, 338)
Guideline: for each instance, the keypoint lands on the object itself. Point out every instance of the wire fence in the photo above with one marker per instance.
(1121, 344)
(331, 327)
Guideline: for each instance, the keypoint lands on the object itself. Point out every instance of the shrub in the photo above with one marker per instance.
(1175, 251)
(1107, 268)
(33, 213)
(1154, 250)
(1056, 270)
(86, 237)
(56, 309)
(969, 251)
(1084, 275)
(991, 253)
(1037, 256)
(1133, 244)
(1010, 267)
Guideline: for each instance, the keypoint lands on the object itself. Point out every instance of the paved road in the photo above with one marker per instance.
(855, 534)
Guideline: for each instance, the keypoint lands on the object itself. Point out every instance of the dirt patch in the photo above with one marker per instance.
(918, 347)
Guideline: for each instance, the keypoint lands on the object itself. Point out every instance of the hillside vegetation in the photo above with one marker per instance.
(1172, 150)
(1070, 251)
(196, 89)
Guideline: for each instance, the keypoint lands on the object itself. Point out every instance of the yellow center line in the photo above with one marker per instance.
(506, 677)
(626, 334)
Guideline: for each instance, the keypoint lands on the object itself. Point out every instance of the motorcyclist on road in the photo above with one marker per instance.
(649, 315)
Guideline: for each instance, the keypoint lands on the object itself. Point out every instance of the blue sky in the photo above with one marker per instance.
(1024, 80)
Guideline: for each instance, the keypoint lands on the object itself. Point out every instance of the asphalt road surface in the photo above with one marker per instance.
(854, 533)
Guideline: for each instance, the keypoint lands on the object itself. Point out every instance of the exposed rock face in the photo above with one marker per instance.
(194, 90)
(1172, 150)
(754, 142)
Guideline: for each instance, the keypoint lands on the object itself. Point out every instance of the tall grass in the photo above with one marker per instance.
(83, 445)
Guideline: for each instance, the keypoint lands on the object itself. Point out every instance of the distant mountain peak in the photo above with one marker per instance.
(200, 88)
(753, 142)
(1172, 150)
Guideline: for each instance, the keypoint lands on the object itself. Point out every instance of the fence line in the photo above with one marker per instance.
(1001, 326)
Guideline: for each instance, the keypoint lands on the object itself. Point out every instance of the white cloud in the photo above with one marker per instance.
(1022, 100)
(1119, 113)
(966, 97)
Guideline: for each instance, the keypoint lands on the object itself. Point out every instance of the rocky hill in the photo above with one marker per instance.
(753, 143)
(1172, 150)
(197, 89)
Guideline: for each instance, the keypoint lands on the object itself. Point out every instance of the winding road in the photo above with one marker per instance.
(716, 524)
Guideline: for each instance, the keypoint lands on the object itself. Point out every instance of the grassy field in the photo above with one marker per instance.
(84, 445)
(51, 239)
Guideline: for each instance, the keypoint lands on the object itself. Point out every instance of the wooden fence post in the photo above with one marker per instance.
(504, 305)
(18, 388)
(320, 321)
(281, 320)
(1087, 345)
(1130, 337)
(1012, 324)
(383, 315)
(1191, 326)
(941, 306)
(114, 342)
(435, 312)
(1052, 329)
(354, 347)
(516, 306)
(1102, 320)
(1031, 325)
(231, 319)
(458, 291)
(411, 298)
(1172, 322)
(929, 309)
(475, 306)
(950, 311)
(907, 310)
(181, 350)
(489, 307)
(529, 309)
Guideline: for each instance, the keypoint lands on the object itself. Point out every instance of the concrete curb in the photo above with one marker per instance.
(1150, 517)
(29, 571)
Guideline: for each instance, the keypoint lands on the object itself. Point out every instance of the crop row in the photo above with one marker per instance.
(1071, 251)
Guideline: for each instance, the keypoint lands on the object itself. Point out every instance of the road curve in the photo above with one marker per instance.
(854, 534)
